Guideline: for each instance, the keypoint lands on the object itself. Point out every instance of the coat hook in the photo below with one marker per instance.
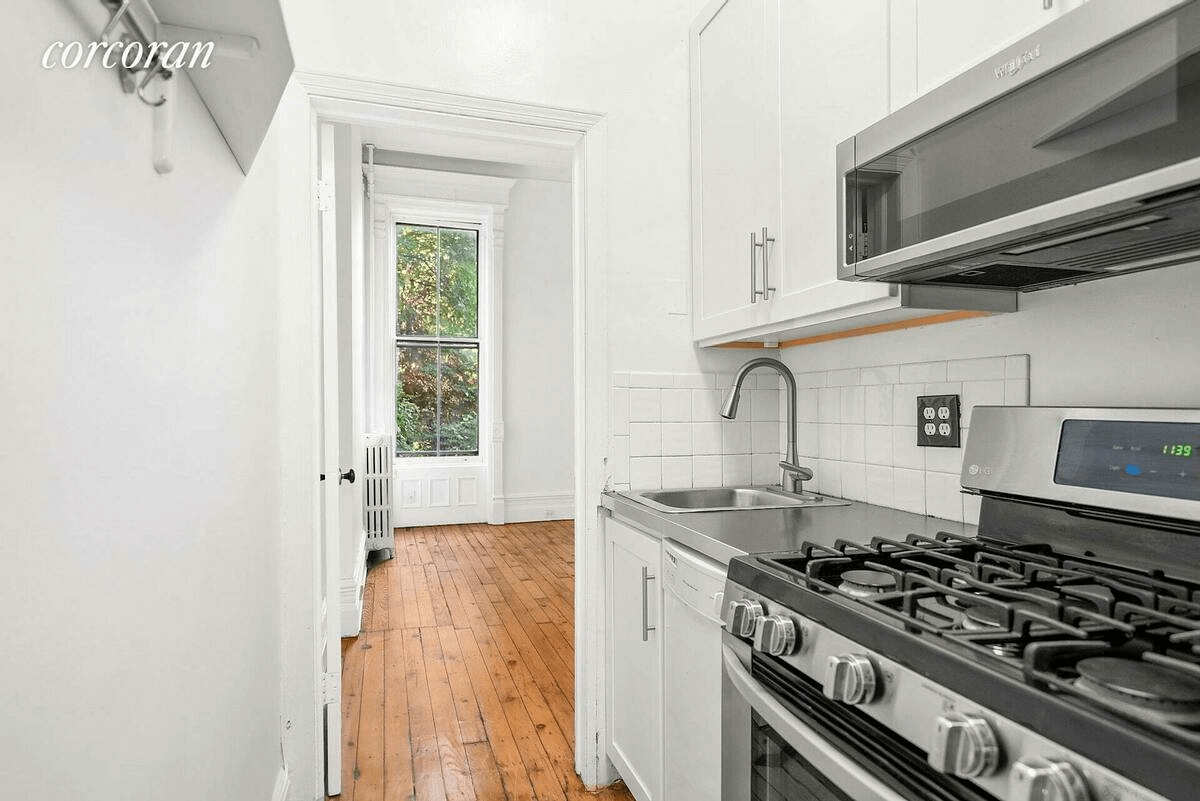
(115, 19)
(151, 72)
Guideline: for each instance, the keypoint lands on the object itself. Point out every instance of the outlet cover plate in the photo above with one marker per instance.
(938, 421)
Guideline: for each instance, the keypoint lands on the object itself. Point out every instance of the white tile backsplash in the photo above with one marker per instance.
(677, 471)
(736, 470)
(764, 437)
(856, 427)
(922, 372)
(667, 431)
(880, 488)
(645, 405)
(943, 495)
(706, 471)
(645, 472)
(677, 440)
(676, 405)
(808, 405)
(853, 405)
(866, 436)
(854, 443)
(975, 369)
(877, 402)
(879, 445)
(706, 439)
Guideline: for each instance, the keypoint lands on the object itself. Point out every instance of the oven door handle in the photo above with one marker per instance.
(840, 769)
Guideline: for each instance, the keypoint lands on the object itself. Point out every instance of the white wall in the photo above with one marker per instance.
(1122, 341)
(138, 322)
(625, 59)
(539, 471)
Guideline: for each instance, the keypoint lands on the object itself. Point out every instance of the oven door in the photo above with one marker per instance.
(774, 751)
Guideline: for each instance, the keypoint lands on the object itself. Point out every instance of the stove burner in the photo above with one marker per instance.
(1138, 682)
(866, 583)
(981, 618)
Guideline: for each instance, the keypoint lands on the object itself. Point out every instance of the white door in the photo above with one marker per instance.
(728, 181)
(331, 485)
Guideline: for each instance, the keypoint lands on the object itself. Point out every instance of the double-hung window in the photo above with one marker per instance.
(437, 340)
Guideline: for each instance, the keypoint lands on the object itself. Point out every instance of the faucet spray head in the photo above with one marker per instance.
(729, 410)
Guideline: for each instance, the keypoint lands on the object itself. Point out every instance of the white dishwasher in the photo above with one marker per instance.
(693, 585)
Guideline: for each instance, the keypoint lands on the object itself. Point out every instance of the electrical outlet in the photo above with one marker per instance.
(938, 421)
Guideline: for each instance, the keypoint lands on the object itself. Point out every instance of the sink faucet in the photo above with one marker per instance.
(794, 474)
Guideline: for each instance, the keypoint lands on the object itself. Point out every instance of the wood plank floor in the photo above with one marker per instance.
(461, 685)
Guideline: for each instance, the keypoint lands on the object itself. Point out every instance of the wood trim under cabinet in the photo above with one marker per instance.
(897, 325)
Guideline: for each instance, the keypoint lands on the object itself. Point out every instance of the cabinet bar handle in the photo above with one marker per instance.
(646, 627)
(754, 293)
(767, 288)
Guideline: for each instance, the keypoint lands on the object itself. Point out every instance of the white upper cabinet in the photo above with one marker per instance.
(731, 170)
(832, 82)
(776, 85)
(934, 40)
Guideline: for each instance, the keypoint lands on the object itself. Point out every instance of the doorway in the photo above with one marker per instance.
(434, 121)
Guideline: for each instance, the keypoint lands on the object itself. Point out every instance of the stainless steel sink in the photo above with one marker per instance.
(726, 499)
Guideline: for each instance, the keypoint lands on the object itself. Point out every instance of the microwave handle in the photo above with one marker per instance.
(842, 771)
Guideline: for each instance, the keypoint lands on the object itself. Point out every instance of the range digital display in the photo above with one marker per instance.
(1147, 458)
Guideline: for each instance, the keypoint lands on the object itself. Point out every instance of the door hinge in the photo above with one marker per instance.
(331, 688)
(324, 196)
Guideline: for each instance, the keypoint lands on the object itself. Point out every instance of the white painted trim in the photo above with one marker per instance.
(352, 588)
(371, 102)
(299, 545)
(479, 202)
(527, 507)
(283, 782)
(342, 99)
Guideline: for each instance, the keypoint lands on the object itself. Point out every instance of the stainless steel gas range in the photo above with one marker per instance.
(1054, 658)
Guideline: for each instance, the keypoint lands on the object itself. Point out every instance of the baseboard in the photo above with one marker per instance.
(351, 590)
(283, 782)
(536, 506)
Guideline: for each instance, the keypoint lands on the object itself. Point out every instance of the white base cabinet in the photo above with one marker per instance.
(633, 592)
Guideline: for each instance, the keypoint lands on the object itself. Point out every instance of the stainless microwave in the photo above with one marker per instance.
(1071, 155)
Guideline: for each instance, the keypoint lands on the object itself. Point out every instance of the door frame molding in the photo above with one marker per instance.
(331, 98)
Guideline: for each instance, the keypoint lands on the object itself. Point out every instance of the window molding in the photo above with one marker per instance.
(426, 197)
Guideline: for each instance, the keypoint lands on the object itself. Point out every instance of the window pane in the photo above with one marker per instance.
(416, 280)
(416, 400)
(460, 401)
(459, 287)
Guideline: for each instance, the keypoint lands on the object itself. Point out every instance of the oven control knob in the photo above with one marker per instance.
(850, 678)
(964, 746)
(1038, 779)
(741, 615)
(775, 635)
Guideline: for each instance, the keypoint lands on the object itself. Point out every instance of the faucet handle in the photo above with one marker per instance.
(802, 473)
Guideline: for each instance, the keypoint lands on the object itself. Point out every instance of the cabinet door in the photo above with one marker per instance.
(634, 687)
(832, 82)
(727, 193)
(934, 40)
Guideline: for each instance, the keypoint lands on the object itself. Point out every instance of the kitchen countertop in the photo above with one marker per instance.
(724, 535)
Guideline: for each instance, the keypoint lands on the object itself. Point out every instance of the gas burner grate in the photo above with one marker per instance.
(998, 599)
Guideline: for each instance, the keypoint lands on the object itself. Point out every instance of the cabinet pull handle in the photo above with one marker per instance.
(767, 288)
(754, 293)
(646, 627)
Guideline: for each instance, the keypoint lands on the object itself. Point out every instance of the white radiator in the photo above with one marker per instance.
(377, 493)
